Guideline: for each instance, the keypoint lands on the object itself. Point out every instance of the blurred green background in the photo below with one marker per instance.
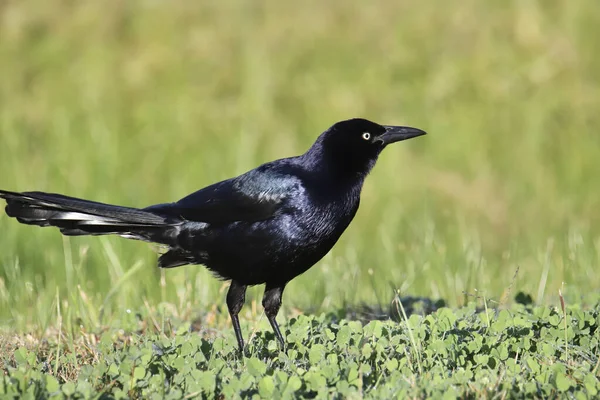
(144, 101)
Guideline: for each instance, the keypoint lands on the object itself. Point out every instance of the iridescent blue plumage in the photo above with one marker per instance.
(266, 226)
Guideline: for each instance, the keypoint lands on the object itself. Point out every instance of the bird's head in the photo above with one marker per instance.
(351, 147)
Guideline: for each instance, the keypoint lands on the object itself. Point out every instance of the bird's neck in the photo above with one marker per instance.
(338, 168)
(332, 178)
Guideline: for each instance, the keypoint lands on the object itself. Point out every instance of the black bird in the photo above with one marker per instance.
(268, 225)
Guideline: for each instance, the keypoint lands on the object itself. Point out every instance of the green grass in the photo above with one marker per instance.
(143, 102)
(520, 352)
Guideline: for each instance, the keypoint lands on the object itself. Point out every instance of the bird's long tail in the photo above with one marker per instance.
(75, 216)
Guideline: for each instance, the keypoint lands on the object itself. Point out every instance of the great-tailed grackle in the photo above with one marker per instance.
(268, 225)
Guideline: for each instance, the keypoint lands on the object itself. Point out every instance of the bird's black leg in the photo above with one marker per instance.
(235, 300)
(271, 302)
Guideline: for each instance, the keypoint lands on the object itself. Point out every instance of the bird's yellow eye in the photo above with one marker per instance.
(366, 135)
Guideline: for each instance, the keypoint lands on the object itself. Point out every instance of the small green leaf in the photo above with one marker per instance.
(256, 367)
(355, 327)
(332, 359)
(272, 345)
(219, 345)
(343, 336)
(183, 329)
(208, 381)
(329, 333)
(113, 370)
(562, 382)
(391, 364)
(316, 380)
(554, 320)
(68, 388)
(139, 372)
(85, 389)
(481, 359)
(501, 352)
(353, 376)
(316, 354)
(366, 369)
(373, 328)
(52, 384)
(534, 365)
(292, 354)
(293, 384)
(547, 349)
(21, 356)
(367, 350)
(591, 384)
(266, 387)
(512, 366)
(280, 377)
(246, 381)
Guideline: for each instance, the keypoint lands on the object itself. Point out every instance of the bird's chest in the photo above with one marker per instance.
(321, 223)
(282, 247)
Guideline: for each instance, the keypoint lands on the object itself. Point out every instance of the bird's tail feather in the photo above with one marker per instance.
(75, 216)
(176, 258)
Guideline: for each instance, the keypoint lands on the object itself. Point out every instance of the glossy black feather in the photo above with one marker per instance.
(266, 226)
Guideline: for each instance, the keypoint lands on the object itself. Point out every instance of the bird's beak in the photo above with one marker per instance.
(397, 133)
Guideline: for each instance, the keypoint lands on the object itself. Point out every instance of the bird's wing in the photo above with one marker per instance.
(254, 196)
